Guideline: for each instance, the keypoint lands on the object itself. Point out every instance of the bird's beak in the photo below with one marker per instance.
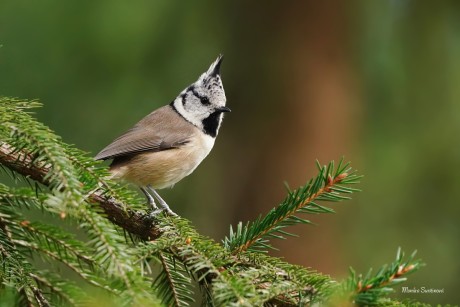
(223, 109)
(214, 70)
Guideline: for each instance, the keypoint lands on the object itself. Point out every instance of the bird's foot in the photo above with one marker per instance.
(163, 205)
(151, 194)
(158, 211)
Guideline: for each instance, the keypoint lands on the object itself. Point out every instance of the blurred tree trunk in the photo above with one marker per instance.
(307, 92)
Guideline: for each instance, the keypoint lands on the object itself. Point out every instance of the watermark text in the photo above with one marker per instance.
(422, 290)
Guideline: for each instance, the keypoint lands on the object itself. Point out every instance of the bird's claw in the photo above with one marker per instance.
(154, 213)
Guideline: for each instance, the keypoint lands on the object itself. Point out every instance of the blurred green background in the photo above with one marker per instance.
(375, 81)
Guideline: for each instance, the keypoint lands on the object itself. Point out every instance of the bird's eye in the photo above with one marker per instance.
(204, 100)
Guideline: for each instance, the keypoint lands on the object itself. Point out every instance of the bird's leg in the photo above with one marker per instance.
(150, 199)
(162, 203)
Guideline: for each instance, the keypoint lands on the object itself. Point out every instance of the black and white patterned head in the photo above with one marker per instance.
(203, 102)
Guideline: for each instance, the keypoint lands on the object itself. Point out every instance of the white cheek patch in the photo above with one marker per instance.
(189, 112)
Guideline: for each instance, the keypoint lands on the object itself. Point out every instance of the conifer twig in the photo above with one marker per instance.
(327, 188)
(331, 185)
(373, 289)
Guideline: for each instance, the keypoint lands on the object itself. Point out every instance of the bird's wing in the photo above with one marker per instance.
(162, 129)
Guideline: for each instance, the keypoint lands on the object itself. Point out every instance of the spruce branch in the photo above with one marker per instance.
(331, 184)
(373, 290)
(70, 185)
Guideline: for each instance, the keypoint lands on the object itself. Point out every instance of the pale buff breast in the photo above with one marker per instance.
(163, 169)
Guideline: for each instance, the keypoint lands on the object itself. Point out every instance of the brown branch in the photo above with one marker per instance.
(132, 221)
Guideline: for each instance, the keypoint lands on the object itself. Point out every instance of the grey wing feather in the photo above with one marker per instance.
(162, 129)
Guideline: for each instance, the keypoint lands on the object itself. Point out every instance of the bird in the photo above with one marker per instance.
(170, 142)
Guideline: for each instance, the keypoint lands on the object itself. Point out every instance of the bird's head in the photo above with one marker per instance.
(203, 102)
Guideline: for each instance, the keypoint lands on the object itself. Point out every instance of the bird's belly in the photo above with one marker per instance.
(163, 169)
